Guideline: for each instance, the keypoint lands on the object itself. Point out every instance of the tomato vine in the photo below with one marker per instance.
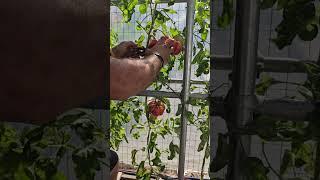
(24, 154)
(157, 21)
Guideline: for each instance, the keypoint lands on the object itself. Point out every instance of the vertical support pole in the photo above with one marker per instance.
(213, 13)
(186, 85)
(243, 80)
(107, 118)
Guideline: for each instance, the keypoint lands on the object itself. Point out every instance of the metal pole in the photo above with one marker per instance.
(142, 1)
(268, 64)
(171, 94)
(243, 82)
(186, 85)
(214, 13)
(286, 109)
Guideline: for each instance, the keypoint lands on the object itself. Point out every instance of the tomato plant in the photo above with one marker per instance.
(24, 154)
(156, 21)
(300, 18)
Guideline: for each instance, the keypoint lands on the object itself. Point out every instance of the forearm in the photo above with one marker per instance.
(129, 77)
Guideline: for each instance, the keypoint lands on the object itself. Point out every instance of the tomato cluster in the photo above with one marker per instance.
(156, 107)
(175, 43)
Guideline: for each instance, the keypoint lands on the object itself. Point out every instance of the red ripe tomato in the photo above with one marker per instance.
(176, 43)
(156, 107)
(169, 42)
(152, 43)
(177, 48)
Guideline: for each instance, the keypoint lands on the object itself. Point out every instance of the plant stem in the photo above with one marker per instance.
(148, 136)
(169, 87)
(153, 20)
(269, 165)
(203, 162)
(318, 60)
(317, 163)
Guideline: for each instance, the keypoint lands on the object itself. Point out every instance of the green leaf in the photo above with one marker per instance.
(298, 19)
(174, 32)
(87, 161)
(128, 8)
(141, 170)
(309, 33)
(179, 111)
(132, 4)
(306, 93)
(316, 165)
(207, 152)
(171, 3)
(227, 14)
(140, 40)
(170, 11)
(20, 174)
(70, 118)
(281, 4)
(266, 4)
(143, 8)
(133, 156)
(58, 176)
(152, 142)
(157, 161)
(204, 35)
(223, 154)
(61, 152)
(264, 84)
(204, 140)
(35, 134)
(137, 113)
(113, 38)
(283, 40)
(173, 148)
(190, 117)
(303, 154)
(287, 161)
(255, 169)
(136, 135)
(203, 68)
(160, 18)
(199, 57)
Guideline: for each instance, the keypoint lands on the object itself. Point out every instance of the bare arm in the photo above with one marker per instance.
(52, 58)
(129, 77)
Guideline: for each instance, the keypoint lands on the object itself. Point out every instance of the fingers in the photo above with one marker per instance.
(152, 42)
(163, 39)
(165, 42)
(132, 49)
(130, 44)
(165, 45)
(125, 49)
(148, 52)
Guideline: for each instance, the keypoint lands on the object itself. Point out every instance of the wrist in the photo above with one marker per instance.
(160, 58)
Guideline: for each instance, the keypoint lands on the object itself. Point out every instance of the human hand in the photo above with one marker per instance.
(125, 49)
(164, 47)
(176, 43)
